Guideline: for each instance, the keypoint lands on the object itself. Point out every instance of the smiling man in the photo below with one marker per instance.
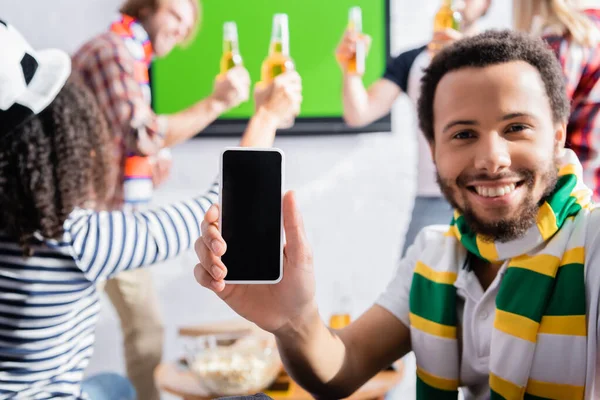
(503, 302)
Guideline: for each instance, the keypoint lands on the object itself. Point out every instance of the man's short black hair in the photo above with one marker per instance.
(492, 48)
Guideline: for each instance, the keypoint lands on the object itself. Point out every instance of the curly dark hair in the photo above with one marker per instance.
(491, 48)
(54, 162)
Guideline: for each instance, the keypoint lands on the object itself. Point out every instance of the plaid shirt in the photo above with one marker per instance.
(581, 67)
(107, 67)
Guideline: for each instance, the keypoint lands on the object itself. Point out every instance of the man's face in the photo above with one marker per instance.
(170, 25)
(495, 146)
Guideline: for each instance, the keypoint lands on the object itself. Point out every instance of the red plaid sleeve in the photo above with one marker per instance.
(581, 69)
(109, 70)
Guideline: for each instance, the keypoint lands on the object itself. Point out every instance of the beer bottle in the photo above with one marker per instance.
(446, 17)
(231, 54)
(342, 307)
(278, 61)
(357, 63)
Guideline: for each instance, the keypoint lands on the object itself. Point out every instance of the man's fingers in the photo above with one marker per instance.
(207, 257)
(214, 241)
(447, 35)
(202, 277)
(215, 269)
(297, 245)
(206, 280)
(212, 215)
(200, 248)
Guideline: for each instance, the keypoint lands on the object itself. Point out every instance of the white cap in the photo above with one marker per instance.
(355, 18)
(230, 31)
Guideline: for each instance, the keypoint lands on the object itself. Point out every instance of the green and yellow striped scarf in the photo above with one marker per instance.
(538, 348)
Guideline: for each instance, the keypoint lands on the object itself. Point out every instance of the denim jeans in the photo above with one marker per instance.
(426, 211)
(108, 386)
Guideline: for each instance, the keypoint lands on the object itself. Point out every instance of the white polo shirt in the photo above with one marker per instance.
(476, 308)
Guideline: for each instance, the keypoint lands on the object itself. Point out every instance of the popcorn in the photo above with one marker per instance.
(236, 370)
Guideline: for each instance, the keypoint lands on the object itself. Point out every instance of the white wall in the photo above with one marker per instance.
(355, 191)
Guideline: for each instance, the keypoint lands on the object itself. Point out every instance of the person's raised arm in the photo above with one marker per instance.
(230, 90)
(283, 99)
(361, 105)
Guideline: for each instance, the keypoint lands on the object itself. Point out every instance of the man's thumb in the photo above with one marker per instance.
(294, 227)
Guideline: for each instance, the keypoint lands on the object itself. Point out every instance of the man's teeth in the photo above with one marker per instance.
(497, 191)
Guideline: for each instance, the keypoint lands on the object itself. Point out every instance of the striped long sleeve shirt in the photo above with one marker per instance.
(49, 305)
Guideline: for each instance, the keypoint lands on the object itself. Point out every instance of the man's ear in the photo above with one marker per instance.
(560, 138)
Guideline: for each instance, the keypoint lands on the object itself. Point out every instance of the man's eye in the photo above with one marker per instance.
(464, 135)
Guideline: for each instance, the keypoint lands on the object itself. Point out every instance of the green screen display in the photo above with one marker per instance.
(316, 26)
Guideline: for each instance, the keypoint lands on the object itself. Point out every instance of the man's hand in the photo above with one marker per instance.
(346, 49)
(289, 301)
(282, 98)
(161, 167)
(233, 88)
(444, 38)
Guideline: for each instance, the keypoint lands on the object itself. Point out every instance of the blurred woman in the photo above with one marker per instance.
(572, 29)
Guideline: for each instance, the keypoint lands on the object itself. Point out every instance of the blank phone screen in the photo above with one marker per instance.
(251, 214)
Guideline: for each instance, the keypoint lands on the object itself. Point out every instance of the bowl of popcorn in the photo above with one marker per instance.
(234, 365)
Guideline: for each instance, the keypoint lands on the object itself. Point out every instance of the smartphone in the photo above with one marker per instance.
(251, 220)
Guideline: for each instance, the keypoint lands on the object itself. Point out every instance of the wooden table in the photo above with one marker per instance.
(176, 379)
(179, 381)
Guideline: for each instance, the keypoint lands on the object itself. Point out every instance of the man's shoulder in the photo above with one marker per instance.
(411, 54)
(586, 235)
(592, 230)
(591, 223)
(406, 59)
(100, 41)
(398, 69)
(107, 44)
(431, 238)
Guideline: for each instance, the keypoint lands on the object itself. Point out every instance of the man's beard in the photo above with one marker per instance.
(502, 229)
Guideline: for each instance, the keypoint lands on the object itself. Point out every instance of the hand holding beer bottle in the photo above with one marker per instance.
(232, 85)
(447, 25)
(232, 88)
(352, 50)
(283, 97)
(277, 62)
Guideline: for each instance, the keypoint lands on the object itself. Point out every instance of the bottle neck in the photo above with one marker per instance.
(343, 305)
(280, 47)
(342, 300)
(355, 20)
(230, 45)
(230, 37)
(280, 37)
(355, 26)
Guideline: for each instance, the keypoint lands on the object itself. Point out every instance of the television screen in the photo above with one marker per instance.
(316, 26)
